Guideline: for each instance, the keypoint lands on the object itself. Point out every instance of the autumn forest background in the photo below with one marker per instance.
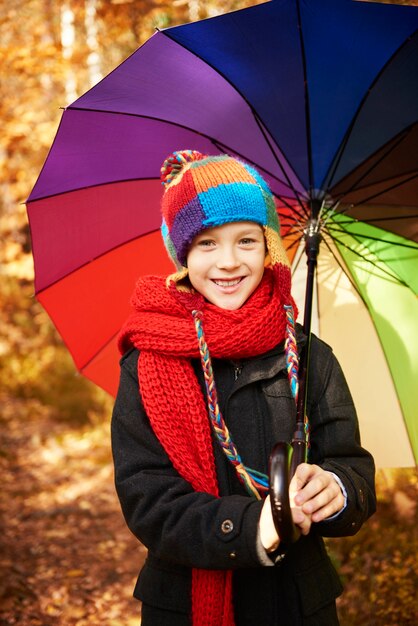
(66, 557)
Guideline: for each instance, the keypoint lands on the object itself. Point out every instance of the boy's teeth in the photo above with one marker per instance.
(227, 283)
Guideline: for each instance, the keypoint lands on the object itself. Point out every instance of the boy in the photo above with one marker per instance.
(207, 388)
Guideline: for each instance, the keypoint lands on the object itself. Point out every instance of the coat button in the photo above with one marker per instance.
(232, 555)
(227, 526)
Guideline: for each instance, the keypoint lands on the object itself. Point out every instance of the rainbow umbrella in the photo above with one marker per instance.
(322, 97)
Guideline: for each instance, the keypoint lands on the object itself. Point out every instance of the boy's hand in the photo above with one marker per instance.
(268, 534)
(315, 495)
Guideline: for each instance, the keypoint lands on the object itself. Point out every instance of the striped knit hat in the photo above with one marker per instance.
(206, 191)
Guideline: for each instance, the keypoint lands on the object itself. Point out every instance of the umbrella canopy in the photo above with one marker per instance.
(322, 97)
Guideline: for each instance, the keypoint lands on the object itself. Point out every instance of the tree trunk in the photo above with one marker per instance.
(67, 42)
(94, 68)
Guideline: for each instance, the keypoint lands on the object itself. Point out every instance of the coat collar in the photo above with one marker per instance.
(269, 364)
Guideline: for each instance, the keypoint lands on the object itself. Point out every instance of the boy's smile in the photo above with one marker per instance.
(226, 263)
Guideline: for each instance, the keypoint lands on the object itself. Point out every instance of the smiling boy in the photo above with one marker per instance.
(205, 391)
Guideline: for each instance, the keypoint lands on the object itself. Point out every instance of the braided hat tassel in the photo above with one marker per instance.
(292, 362)
(255, 482)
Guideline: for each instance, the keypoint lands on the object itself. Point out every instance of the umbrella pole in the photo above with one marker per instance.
(285, 457)
(312, 242)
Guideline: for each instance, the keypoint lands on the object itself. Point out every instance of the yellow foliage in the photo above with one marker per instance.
(378, 565)
(35, 364)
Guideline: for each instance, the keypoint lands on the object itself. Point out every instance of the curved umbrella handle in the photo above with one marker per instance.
(284, 459)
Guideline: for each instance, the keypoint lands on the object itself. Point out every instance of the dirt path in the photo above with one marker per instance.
(66, 557)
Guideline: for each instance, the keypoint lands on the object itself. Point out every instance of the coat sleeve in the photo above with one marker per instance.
(161, 508)
(335, 442)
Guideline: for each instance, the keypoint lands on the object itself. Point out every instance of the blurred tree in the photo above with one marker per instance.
(50, 53)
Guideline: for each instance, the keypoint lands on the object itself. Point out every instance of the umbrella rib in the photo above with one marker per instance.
(343, 145)
(290, 206)
(100, 184)
(302, 216)
(391, 148)
(371, 197)
(293, 244)
(394, 277)
(376, 195)
(301, 253)
(215, 69)
(267, 140)
(335, 228)
(285, 218)
(377, 219)
(102, 254)
(102, 346)
(356, 187)
(288, 220)
(343, 269)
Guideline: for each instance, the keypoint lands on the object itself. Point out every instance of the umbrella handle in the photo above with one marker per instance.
(284, 459)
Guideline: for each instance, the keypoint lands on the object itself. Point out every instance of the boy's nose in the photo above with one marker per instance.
(228, 259)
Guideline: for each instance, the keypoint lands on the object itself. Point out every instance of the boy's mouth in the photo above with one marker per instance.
(224, 282)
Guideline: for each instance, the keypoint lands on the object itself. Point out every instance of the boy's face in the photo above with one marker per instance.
(226, 263)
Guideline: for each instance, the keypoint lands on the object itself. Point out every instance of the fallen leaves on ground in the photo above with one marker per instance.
(66, 556)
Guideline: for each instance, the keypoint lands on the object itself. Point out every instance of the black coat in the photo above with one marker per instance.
(184, 529)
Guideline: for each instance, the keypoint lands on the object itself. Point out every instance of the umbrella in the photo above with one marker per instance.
(322, 97)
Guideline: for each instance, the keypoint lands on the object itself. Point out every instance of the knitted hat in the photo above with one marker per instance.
(207, 191)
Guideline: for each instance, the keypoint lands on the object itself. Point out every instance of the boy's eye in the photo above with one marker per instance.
(205, 243)
(247, 240)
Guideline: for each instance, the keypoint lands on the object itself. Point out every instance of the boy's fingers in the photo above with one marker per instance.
(324, 504)
(302, 475)
(301, 520)
(325, 512)
(331, 507)
(319, 493)
(314, 495)
(310, 480)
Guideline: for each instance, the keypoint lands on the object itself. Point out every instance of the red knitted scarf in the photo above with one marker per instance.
(162, 328)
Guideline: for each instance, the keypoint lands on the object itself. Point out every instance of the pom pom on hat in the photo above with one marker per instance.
(173, 164)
